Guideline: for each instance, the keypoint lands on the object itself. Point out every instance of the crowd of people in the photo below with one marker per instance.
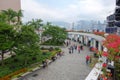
(77, 48)
(72, 48)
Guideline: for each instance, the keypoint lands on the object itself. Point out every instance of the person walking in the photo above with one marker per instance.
(87, 59)
(69, 50)
(72, 49)
(78, 48)
(81, 47)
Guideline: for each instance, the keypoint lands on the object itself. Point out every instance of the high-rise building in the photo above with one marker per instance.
(113, 20)
(13, 4)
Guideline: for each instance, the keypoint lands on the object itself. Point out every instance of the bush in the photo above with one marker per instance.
(14, 64)
(57, 48)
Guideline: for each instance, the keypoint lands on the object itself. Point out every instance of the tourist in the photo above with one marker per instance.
(44, 63)
(72, 49)
(81, 47)
(53, 58)
(69, 50)
(87, 59)
(75, 47)
(78, 48)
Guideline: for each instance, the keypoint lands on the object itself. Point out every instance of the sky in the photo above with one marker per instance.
(67, 10)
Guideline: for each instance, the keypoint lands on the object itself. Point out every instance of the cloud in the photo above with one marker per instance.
(33, 9)
(80, 9)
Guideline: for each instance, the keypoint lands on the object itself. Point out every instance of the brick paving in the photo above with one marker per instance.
(67, 67)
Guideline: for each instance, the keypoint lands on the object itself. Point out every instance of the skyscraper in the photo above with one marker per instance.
(113, 20)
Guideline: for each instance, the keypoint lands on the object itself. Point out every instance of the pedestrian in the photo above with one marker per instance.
(81, 47)
(87, 59)
(67, 43)
(69, 50)
(44, 63)
(72, 49)
(78, 48)
(75, 47)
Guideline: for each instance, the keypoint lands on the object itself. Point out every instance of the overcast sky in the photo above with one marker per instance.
(67, 10)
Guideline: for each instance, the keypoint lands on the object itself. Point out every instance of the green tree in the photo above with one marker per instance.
(27, 42)
(6, 42)
(19, 14)
(10, 15)
(57, 34)
(36, 23)
(2, 17)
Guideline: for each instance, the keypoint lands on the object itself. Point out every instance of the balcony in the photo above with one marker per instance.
(118, 2)
(117, 23)
(111, 18)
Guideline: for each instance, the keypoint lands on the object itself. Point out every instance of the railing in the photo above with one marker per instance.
(96, 71)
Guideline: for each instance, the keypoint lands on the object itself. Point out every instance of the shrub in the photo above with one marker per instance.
(57, 49)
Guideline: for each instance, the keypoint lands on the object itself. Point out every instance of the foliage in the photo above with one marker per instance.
(112, 43)
(23, 41)
(27, 42)
(11, 17)
(6, 41)
(36, 23)
(57, 34)
(12, 66)
(19, 14)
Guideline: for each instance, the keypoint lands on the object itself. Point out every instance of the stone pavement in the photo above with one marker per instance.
(67, 67)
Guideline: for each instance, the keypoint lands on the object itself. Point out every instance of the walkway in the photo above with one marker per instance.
(67, 67)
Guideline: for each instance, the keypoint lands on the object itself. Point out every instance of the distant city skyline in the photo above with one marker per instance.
(67, 10)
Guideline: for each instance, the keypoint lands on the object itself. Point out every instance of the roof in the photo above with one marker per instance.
(96, 37)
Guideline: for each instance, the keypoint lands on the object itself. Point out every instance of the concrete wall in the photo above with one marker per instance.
(13, 4)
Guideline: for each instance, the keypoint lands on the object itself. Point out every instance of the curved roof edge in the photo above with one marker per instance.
(96, 37)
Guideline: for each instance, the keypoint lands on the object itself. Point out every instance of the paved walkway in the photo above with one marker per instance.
(67, 67)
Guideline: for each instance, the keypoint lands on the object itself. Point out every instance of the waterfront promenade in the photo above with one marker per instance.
(67, 67)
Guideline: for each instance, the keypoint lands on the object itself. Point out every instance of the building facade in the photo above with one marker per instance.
(10, 4)
(113, 20)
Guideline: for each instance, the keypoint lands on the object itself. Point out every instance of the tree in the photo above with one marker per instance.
(57, 34)
(10, 15)
(19, 14)
(2, 17)
(36, 23)
(6, 42)
(27, 42)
